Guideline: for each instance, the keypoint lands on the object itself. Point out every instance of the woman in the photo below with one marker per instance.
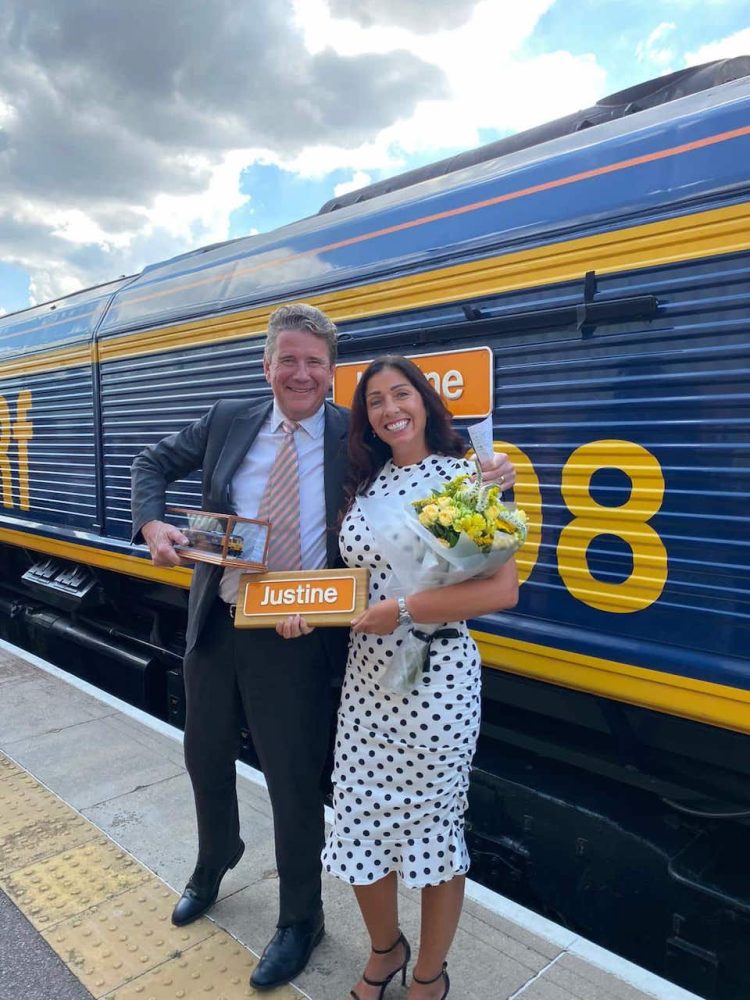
(402, 763)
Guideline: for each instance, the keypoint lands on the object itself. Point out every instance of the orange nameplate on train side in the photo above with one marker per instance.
(462, 379)
(322, 597)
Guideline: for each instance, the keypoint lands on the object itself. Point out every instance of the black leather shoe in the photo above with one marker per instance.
(201, 891)
(287, 953)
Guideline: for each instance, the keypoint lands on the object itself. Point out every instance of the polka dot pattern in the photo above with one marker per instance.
(402, 762)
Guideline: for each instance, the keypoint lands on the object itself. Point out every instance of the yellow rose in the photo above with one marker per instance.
(429, 515)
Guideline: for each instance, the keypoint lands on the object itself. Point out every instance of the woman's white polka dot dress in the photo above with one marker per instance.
(402, 763)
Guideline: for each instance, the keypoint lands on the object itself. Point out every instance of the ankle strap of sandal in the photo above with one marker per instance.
(426, 982)
(385, 951)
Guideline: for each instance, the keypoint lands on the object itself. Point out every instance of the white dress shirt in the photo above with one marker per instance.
(249, 485)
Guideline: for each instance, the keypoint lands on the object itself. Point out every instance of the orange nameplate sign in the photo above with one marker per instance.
(323, 597)
(463, 379)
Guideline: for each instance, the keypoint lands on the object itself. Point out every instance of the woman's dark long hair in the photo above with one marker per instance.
(367, 453)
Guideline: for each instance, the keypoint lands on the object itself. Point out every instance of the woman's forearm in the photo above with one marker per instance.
(469, 599)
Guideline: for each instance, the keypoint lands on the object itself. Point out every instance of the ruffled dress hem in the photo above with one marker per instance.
(419, 862)
(351, 880)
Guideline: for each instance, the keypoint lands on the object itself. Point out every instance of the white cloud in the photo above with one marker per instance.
(359, 180)
(652, 49)
(113, 156)
(137, 179)
(413, 14)
(317, 161)
(737, 44)
(113, 242)
(203, 217)
(7, 112)
(45, 285)
(491, 83)
(76, 226)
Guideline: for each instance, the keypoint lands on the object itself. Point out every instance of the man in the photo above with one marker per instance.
(265, 459)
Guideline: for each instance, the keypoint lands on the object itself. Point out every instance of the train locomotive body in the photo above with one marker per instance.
(593, 293)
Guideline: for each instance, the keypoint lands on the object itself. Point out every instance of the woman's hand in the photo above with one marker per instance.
(379, 619)
(499, 471)
(293, 626)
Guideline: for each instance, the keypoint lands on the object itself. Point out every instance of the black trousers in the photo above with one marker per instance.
(285, 689)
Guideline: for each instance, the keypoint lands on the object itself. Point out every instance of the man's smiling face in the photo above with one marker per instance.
(299, 372)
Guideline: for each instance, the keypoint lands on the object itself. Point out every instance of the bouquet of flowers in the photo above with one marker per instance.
(461, 531)
(473, 513)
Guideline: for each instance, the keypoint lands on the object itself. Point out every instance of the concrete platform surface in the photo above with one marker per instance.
(120, 774)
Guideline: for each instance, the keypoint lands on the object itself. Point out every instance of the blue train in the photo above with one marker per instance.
(588, 284)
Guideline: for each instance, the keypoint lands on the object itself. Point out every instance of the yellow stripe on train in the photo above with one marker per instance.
(701, 701)
(118, 562)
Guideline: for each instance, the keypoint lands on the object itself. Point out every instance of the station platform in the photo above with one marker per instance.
(97, 832)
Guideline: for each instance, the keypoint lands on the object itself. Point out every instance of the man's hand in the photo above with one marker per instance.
(161, 539)
(293, 626)
(499, 471)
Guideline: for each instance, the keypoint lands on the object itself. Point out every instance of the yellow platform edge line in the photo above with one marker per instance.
(680, 238)
(673, 694)
(80, 952)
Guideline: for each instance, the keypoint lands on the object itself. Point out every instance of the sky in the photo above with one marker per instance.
(130, 133)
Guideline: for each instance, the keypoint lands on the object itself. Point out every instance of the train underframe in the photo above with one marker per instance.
(627, 826)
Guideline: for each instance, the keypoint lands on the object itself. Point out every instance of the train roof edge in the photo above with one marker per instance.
(649, 94)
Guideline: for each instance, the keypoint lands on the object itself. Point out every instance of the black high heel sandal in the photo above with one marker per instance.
(442, 974)
(383, 983)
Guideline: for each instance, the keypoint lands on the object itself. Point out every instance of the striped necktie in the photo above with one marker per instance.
(280, 504)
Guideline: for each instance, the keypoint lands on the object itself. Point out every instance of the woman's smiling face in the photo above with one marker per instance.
(397, 415)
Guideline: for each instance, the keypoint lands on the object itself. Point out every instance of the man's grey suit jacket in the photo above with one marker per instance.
(217, 443)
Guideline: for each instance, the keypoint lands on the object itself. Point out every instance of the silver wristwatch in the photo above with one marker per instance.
(404, 618)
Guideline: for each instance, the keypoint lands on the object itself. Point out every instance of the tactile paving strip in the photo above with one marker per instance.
(7, 767)
(216, 969)
(35, 824)
(24, 801)
(106, 916)
(43, 839)
(115, 942)
(68, 883)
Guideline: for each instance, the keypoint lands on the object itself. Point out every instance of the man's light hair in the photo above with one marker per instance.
(300, 316)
